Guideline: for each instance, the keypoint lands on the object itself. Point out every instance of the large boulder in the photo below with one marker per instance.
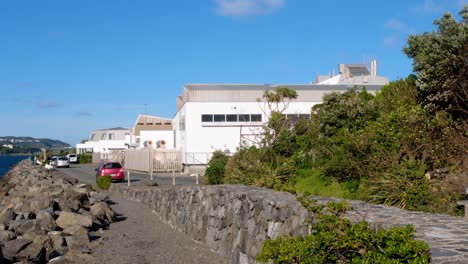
(78, 242)
(46, 242)
(95, 197)
(15, 224)
(70, 180)
(102, 212)
(58, 241)
(6, 235)
(6, 216)
(80, 198)
(13, 247)
(75, 230)
(28, 226)
(34, 253)
(41, 203)
(67, 219)
(46, 220)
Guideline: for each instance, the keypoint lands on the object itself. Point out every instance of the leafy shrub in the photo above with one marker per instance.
(336, 240)
(261, 167)
(245, 167)
(85, 158)
(215, 171)
(104, 182)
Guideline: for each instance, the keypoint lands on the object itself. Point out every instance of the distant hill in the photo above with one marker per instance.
(29, 144)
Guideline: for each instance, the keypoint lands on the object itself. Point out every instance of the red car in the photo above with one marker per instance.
(112, 168)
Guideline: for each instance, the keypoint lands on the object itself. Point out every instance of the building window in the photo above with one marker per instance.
(93, 137)
(244, 118)
(103, 136)
(111, 136)
(231, 118)
(207, 118)
(219, 118)
(140, 124)
(167, 123)
(256, 118)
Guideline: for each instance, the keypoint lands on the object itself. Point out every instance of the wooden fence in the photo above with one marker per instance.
(156, 160)
(103, 157)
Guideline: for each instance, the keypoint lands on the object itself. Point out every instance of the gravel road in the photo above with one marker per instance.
(140, 237)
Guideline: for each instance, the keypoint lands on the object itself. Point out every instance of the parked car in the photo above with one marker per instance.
(53, 161)
(112, 168)
(72, 158)
(62, 161)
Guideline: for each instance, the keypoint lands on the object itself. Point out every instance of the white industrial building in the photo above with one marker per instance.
(214, 117)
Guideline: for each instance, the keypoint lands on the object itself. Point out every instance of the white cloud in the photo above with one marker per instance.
(429, 6)
(397, 31)
(391, 41)
(239, 8)
(43, 104)
(399, 26)
(437, 6)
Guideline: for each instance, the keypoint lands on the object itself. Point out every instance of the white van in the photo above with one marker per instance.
(72, 158)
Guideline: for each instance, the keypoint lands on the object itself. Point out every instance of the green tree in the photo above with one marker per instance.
(215, 171)
(441, 63)
(351, 110)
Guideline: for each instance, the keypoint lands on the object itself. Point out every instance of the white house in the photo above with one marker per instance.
(153, 131)
(106, 140)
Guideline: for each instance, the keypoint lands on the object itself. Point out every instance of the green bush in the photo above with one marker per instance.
(336, 240)
(104, 182)
(261, 167)
(85, 158)
(244, 167)
(215, 171)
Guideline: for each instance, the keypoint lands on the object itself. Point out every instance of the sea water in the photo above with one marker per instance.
(7, 161)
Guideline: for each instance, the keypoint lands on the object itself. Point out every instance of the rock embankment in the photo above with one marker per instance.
(45, 217)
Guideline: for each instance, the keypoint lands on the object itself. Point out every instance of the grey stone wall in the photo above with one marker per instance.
(233, 220)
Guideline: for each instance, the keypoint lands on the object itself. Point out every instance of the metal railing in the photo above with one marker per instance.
(197, 158)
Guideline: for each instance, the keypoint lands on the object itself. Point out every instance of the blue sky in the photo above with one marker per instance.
(68, 67)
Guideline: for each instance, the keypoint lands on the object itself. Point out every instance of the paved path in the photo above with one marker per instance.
(446, 235)
(141, 237)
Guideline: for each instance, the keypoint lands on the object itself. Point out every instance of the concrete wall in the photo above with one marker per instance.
(233, 220)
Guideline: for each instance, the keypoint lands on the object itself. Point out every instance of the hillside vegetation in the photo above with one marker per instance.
(29, 144)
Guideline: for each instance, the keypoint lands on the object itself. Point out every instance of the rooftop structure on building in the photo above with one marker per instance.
(150, 122)
(353, 74)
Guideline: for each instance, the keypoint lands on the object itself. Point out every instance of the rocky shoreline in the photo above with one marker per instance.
(48, 218)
